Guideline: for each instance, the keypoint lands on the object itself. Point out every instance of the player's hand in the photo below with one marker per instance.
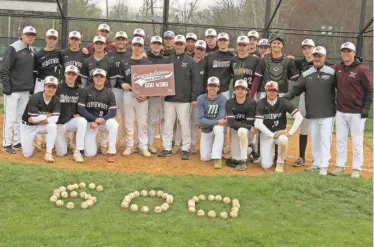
(126, 86)
(279, 133)
(85, 51)
(193, 104)
(263, 55)
(30, 120)
(141, 99)
(94, 125)
(222, 122)
(49, 115)
(144, 55)
(76, 115)
(99, 120)
(291, 57)
(253, 131)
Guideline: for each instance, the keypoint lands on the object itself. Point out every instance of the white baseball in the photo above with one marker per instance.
(70, 187)
(124, 204)
(73, 194)
(58, 195)
(165, 195)
(76, 186)
(165, 207)
(100, 188)
(131, 195)
(127, 198)
(64, 194)
(94, 199)
(136, 193)
(158, 209)
(56, 191)
(211, 214)
(218, 198)
(144, 193)
(87, 196)
(170, 199)
(200, 213)
(235, 201)
(223, 215)
(90, 203)
(159, 193)
(92, 186)
(202, 197)
(191, 203)
(70, 205)
(152, 193)
(211, 198)
(53, 199)
(84, 205)
(195, 198)
(236, 205)
(235, 209)
(192, 210)
(145, 209)
(233, 214)
(226, 200)
(82, 194)
(134, 207)
(62, 188)
(82, 185)
(59, 203)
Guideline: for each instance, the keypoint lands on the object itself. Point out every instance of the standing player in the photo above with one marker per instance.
(319, 83)
(240, 112)
(97, 104)
(168, 43)
(271, 120)
(135, 108)
(102, 30)
(355, 97)
(69, 120)
(16, 75)
(191, 39)
(263, 47)
(211, 40)
(210, 109)
(253, 38)
(40, 116)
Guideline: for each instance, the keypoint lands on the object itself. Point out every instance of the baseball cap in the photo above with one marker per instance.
(201, 44)
(224, 36)
(180, 39)
(156, 39)
(254, 34)
(213, 81)
(99, 38)
(103, 27)
(276, 36)
(210, 32)
(51, 32)
(242, 39)
(169, 34)
(241, 83)
(71, 68)
(121, 34)
(263, 42)
(137, 40)
(191, 36)
(75, 34)
(29, 29)
(99, 72)
(319, 50)
(349, 46)
(308, 42)
(51, 80)
(271, 85)
(139, 32)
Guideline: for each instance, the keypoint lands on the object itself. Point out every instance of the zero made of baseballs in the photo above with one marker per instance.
(134, 207)
(202, 197)
(92, 186)
(200, 213)
(144, 209)
(159, 193)
(211, 214)
(53, 199)
(226, 200)
(223, 215)
(64, 194)
(73, 194)
(211, 198)
(144, 193)
(59, 203)
(69, 205)
(192, 209)
(84, 205)
(152, 193)
(62, 188)
(233, 214)
(218, 198)
(158, 209)
(82, 185)
(165, 195)
(164, 207)
(100, 188)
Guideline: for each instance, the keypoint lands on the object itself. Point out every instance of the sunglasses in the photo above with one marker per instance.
(52, 38)
(51, 86)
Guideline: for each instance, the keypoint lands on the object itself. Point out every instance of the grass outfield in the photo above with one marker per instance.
(276, 210)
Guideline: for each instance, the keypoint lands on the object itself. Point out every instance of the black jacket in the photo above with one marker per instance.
(156, 59)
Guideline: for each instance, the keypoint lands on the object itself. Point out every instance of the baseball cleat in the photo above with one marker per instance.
(165, 153)
(337, 171)
(78, 156)
(185, 155)
(9, 149)
(49, 158)
(231, 163)
(299, 162)
(323, 171)
(193, 150)
(242, 166)
(279, 168)
(217, 164)
(175, 149)
(312, 168)
(145, 152)
(355, 173)
(128, 151)
(103, 150)
(17, 146)
(111, 157)
(153, 149)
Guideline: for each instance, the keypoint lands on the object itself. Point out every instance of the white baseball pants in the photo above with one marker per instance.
(172, 111)
(304, 124)
(320, 134)
(14, 106)
(28, 133)
(194, 129)
(266, 148)
(211, 144)
(110, 127)
(155, 112)
(239, 143)
(118, 94)
(353, 122)
(39, 85)
(77, 125)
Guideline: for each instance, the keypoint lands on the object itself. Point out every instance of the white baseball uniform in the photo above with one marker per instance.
(155, 112)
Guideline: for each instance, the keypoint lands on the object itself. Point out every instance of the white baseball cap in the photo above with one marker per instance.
(99, 38)
(71, 68)
(319, 50)
(139, 32)
(75, 34)
(121, 34)
(137, 40)
(156, 39)
(349, 46)
(263, 42)
(103, 27)
(210, 32)
(213, 81)
(201, 44)
(99, 72)
(51, 80)
(180, 39)
(271, 85)
(191, 36)
(241, 83)
(29, 29)
(308, 42)
(242, 39)
(224, 36)
(253, 33)
(51, 32)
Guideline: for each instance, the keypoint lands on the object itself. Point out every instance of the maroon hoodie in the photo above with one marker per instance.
(355, 87)
(108, 48)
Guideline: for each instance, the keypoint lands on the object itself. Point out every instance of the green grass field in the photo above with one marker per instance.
(297, 209)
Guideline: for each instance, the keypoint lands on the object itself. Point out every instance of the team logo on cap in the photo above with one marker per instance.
(120, 33)
(157, 38)
(75, 33)
(242, 38)
(138, 39)
(31, 29)
(52, 32)
(346, 44)
(318, 49)
(201, 43)
(210, 32)
(138, 31)
(72, 67)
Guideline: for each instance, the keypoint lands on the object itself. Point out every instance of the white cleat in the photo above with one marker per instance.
(145, 152)
(128, 151)
(78, 156)
(153, 149)
(323, 171)
(49, 158)
(355, 173)
(279, 168)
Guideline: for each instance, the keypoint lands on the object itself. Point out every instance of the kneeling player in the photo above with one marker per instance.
(271, 120)
(211, 114)
(69, 120)
(40, 116)
(240, 112)
(97, 104)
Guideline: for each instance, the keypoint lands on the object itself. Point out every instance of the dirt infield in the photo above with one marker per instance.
(174, 165)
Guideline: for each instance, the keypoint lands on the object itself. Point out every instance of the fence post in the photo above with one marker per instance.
(64, 24)
(360, 38)
(267, 18)
(165, 17)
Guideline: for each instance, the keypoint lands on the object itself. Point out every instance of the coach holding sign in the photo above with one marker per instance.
(179, 105)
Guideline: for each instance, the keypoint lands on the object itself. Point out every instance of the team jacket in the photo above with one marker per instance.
(202, 82)
(244, 68)
(209, 111)
(16, 70)
(241, 115)
(69, 101)
(109, 47)
(319, 87)
(119, 59)
(219, 65)
(303, 65)
(126, 69)
(47, 63)
(75, 58)
(210, 50)
(355, 87)
(156, 59)
(37, 106)
(167, 53)
(106, 63)
(186, 74)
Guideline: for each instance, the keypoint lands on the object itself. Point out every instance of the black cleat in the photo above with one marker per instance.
(17, 146)
(185, 155)
(9, 149)
(165, 153)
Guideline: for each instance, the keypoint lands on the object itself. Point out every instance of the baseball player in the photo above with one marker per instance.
(319, 83)
(354, 99)
(104, 31)
(240, 112)
(191, 39)
(70, 121)
(271, 120)
(135, 108)
(155, 103)
(179, 105)
(40, 116)
(16, 75)
(211, 40)
(97, 104)
(168, 43)
(210, 108)
(263, 47)
(253, 38)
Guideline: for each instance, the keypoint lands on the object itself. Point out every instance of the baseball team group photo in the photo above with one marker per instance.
(268, 132)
